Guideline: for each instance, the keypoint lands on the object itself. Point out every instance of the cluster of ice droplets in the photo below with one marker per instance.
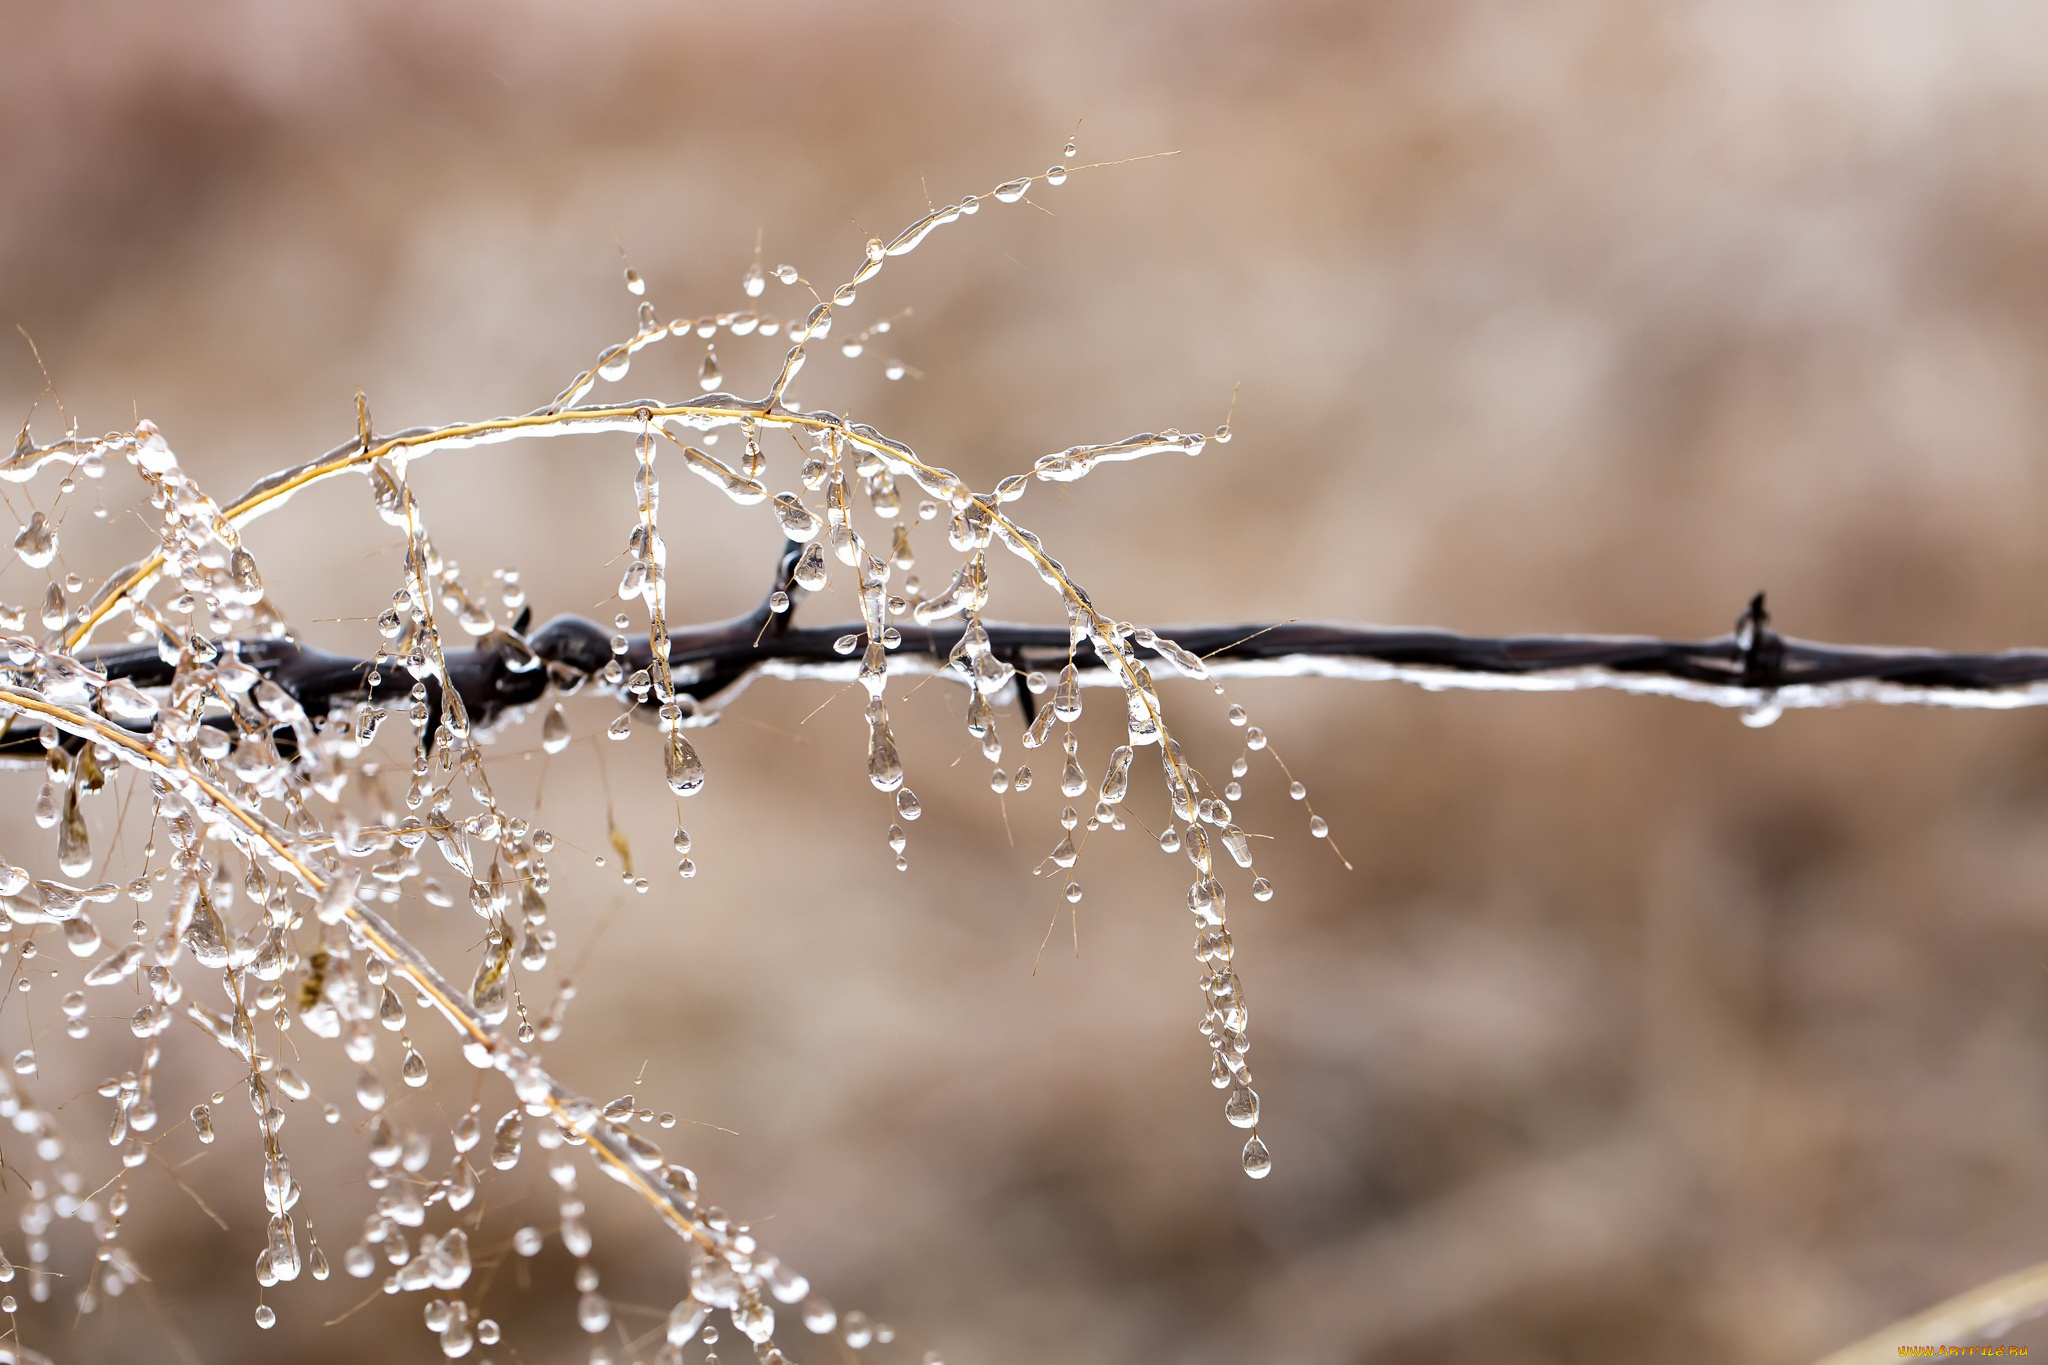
(224, 938)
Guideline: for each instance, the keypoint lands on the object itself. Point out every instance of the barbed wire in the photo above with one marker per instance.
(1752, 668)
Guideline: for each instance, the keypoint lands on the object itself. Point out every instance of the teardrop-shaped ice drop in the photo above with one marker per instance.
(685, 770)
(799, 522)
(37, 543)
(907, 804)
(554, 730)
(490, 992)
(1242, 1107)
(1010, 191)
(1064, 854)
(1117, 780)
(121, 700)
(755, 282)
(1066, 695)
(505, 1141)
(1073, 781)
(885, 769)
(242, 571)
(74, 846)
(810, 569)
(1258, 1162)
(708, 375)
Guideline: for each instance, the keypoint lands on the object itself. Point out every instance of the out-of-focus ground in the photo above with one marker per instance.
(1636, 1035)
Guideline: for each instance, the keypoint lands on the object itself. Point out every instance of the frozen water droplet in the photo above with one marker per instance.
(1069, 150)
(1237, 843)
(684, 1320)
(885, 769)
(266, 1316)
(634, 284)
(1262, 890)
(1258, 1162)
(1066, 696)
(708, 375)
(1056, 175)
(1010, 191)
(755, 282)
(1063, 853)
(907, 804)
(856, 1330)
(1116, 780)
(1242, 1106)
(683, 768)
(799, 523)
(1319, 827)
(810, 572)
(242, 571)
(554, 730)
(74, 847)
(37, 543)
(1073, 781)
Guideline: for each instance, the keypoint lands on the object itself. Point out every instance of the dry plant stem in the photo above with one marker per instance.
(1967, 1315)
(572, 1111)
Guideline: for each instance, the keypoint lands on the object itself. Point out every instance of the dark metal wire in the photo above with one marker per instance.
(1752, 667)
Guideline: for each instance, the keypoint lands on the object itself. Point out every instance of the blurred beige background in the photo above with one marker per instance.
(1636, 1035)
